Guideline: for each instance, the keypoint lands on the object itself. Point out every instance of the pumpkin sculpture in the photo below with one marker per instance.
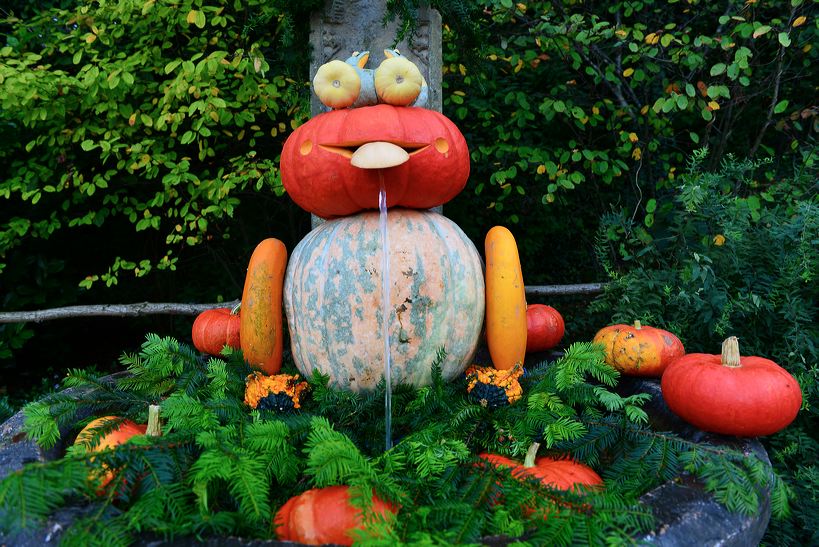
(332, 299)
(639, 350)
(731, 395)
(323, 515)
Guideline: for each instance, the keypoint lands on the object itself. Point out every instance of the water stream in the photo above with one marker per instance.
(385, 308)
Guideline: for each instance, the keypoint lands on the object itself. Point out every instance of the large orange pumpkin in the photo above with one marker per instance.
(639, 350)
(333, 299)
(318, 172)
(731, 395)
(323, 516)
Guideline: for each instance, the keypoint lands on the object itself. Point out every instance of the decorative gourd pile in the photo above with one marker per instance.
(372, 146)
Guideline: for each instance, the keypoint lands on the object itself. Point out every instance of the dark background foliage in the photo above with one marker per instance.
(140, 144)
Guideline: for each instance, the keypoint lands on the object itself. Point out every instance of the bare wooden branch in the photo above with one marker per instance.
(111, 310)
(565, 290)
(174, 308)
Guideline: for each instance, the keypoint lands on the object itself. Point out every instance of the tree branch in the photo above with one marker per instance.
(111, 310)
(173, 308)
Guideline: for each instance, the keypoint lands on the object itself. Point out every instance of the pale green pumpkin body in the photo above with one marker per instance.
(333, 299)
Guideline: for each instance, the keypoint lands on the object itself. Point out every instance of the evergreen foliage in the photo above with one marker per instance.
(221, 468)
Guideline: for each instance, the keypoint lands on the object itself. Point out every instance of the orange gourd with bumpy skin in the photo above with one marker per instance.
(639, 350)
(323, 515)
(261, 325)
(505, 300)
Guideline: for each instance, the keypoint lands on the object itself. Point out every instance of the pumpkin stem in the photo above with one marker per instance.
(529, 460)
(154, 425)
(730, 352)
(638, 325)
(235, 309)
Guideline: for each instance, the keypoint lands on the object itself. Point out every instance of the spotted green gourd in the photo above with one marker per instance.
(333, 299)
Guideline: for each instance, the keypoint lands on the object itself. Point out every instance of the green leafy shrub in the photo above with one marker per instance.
(571, 108)
(732, 255)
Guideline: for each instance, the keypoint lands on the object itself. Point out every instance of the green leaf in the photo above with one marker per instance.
(88, 145)
(718, 69)
(781, 106)
(682, 102)
(784, 39)
(764, 29)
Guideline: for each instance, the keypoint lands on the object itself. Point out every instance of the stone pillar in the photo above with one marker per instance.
(357, 25)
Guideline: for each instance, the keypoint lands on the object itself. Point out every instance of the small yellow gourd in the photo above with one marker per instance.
(505, 300)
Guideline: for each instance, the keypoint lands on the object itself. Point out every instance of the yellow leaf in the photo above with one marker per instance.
(713, 105)
(637, 154)
(644, 110)
(462, 70)
(132, 119)
(191, 18)
(90, 38)
(628, 72)
(807, 48)
(621, 33)
(521, 6)
(541, 169)
(799, 21)
(719, 240)
(213, 116)
(595, 110)
(633, 137)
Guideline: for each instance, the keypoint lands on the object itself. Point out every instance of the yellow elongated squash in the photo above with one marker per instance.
(260, 331)
(505, 300)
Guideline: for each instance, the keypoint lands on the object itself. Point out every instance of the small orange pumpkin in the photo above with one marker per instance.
(544, 326)
(214, 329)
(118, 436)
(323, 515)
(639, 350)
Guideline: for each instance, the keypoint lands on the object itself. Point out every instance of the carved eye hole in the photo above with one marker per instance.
(337, 84)
(441, 145)
(398, 81)
(306, 147)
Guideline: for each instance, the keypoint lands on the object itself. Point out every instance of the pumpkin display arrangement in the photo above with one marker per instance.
(264, 440)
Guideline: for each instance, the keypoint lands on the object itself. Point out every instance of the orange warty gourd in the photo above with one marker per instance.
(639, 350)
(505, 300)
(214, 329)
(261, 317)
(323, 515)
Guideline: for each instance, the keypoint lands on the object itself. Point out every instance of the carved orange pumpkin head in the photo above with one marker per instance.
(334, 164)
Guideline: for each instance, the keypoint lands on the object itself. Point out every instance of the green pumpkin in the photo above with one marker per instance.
(333, 302)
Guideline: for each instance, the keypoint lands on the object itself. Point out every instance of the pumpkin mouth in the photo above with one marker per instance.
(389, 151)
